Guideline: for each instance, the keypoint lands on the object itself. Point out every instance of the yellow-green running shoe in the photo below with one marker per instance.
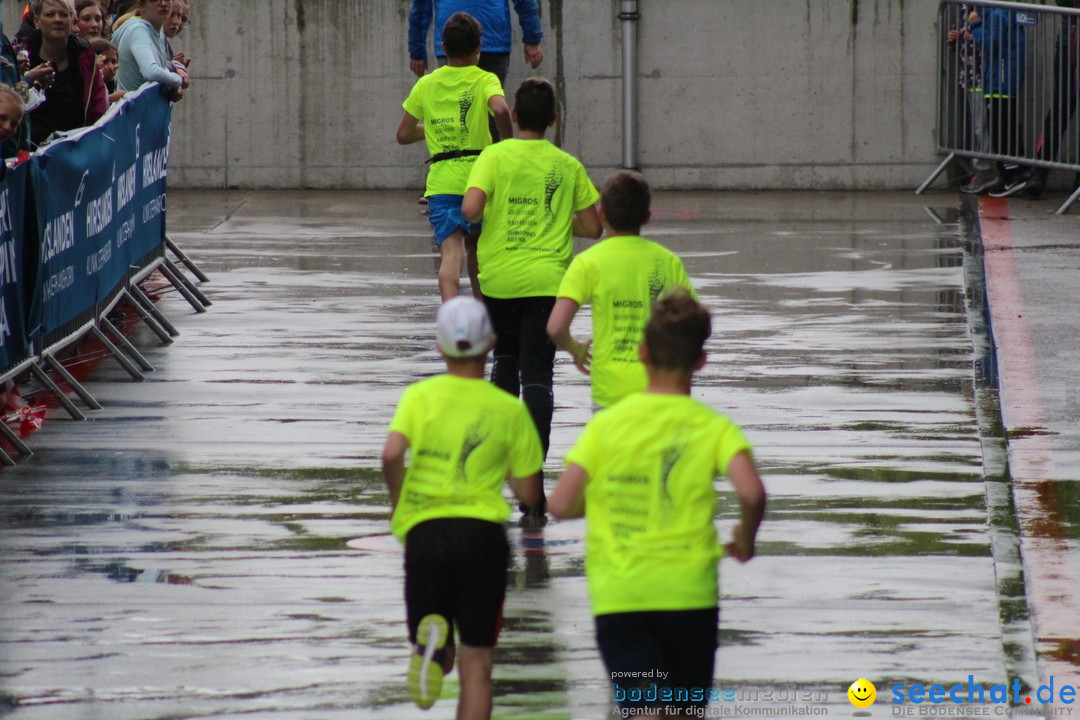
(425, 674)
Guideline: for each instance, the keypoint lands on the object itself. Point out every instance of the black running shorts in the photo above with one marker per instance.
(456, 567)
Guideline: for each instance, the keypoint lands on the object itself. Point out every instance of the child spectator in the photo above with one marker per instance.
(12, 107)
(89, 22)
(108, 61)
(178, 20)
(642, 475)
(465, 438)
(620, 277)
(533, 199)
(141, 48)
(453, 104)
(76, 96)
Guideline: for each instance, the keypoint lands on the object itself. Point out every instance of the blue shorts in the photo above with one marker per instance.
(444, 214)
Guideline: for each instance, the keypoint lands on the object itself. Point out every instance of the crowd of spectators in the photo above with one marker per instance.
(71, 59)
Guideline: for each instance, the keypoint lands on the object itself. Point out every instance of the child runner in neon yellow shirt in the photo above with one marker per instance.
(465, 437)
(533, 199)
(620, 277)
(449, 110)
(642, 475)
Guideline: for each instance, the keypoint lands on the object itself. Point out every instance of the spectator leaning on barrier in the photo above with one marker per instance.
(141, 46)
(494, 18)
(76, 97)
(1001, 40)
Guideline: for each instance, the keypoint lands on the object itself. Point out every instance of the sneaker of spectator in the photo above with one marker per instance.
(1018, 184)
(978, 185)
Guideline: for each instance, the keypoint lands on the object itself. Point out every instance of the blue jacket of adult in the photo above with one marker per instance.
(494, 16)
(1001, 39)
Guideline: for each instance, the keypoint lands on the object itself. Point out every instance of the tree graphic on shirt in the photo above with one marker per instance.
(552, 182)
(465, 103)
(474, 438)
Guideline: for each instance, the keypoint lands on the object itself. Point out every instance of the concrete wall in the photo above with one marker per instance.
(734, 93)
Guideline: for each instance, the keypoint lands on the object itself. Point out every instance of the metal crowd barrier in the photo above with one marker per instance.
(1007, 93)
(99, 235)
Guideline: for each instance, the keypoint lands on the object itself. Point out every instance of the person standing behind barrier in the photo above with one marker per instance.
(453, 104)
(142, 50)
(974, 111)
(533, 198)
(1001, 40)
(494, 18)
(1064, 95)
(77, 95)
(642, 475)
(620, 277)
(88, 20)
(109, 61)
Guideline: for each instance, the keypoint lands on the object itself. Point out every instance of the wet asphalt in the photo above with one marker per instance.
(213, 543)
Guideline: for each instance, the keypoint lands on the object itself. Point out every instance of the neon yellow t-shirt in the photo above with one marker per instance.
(650, 541)
(453, 104)
(464, 437)
(533, 190)
(620, 277)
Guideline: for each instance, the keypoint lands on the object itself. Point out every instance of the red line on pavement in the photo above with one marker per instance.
(1053, 589)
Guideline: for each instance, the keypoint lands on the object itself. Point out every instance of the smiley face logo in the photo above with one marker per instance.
(862, 693)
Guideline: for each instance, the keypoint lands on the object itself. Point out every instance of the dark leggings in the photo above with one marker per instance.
(524, 357)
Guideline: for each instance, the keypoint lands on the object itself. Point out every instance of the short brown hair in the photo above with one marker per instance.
(461, 35)
(676, 333)
(535, 105)
(625, 200)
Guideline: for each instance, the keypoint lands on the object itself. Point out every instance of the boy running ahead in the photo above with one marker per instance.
(642, 475)
(533, 198)
(449, 110)
(465, 437)
(620, 277)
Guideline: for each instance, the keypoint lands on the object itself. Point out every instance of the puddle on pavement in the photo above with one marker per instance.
(840, 344)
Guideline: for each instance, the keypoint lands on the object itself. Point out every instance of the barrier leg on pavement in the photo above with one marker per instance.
(43, 377)
(1069, 203)
(147, 318)
(186, 260)
(151, 309)
(126, 345)
(934, 175)
(192, 287)
(15, 440)
(178, 283)
(121, 358)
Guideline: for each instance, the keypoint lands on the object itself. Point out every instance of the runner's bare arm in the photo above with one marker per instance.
(748, 486)
(587, 223)
(501, 111)
(393, 465)
(558, 329)
(567, 499)
(526, 489)
(472, 207)
(410, 130)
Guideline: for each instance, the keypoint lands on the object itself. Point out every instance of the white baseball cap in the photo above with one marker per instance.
(463, 328)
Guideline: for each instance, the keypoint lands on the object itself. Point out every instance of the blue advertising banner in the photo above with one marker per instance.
(13, 341)
(100, 197)
(142, 158)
